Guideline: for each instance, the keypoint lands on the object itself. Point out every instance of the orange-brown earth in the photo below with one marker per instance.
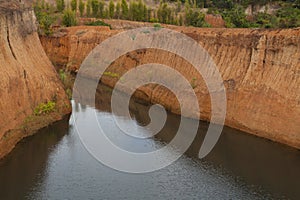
(260, 69)
(27, 77)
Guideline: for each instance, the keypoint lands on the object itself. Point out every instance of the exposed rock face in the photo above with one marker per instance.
(260, 69)
(27, 77)
(215, 21)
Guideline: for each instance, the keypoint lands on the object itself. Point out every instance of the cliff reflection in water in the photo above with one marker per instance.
(27, 163)
(254, 160)
(53, 164)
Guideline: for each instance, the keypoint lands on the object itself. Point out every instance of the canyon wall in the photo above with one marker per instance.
(260, 69)
(27, 77)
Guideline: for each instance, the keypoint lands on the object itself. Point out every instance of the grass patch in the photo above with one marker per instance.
(68, 81)
(111, 74)
(45, 108)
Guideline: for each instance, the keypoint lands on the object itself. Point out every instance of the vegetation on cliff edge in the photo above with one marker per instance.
(235, 13)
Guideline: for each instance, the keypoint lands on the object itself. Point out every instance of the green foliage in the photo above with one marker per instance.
(137, 11)
(111, 9)
(69, 18)
(264, 20)
(60, 5)
(194, 83)
(157, 26)
(44, 18)
(98, 23)
(95, 7)
(235, 18)
(118, 13)
(223, 4)
(62, 75)
(101, 9)
(67, 80)
(181, 12)
(111, 74)
(74, 5)
(81, 7)
(45, 108)
(124, 9)
(89, 8)
(289, 17)
(164, 13)
(195, 18)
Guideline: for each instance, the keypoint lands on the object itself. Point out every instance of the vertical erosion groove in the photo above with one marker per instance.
(8, 39)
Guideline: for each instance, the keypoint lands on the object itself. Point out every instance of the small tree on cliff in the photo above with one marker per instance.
(95, 7)
(81, 7)
(118, 11)
(60, 5)
(89, 8)
(124, 9)
(74, 5)
(69, 18)
(111, 9)
(101, 9)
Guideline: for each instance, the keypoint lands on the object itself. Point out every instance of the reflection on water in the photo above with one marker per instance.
(27, 165)
(54, 165)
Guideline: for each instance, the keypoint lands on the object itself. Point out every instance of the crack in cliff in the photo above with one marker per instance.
(8, 39)
(264, 56)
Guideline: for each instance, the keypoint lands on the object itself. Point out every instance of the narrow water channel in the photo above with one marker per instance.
(53, 164)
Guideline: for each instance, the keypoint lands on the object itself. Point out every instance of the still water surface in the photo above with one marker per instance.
(53, 164)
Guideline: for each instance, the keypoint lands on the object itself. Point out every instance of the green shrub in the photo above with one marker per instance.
(74, 5)
(235, 18)
(264, 20)
(44, 17)
(98, 23)
(157, 26)
(60, 5)
(45, 108)
(81, 7)
(69, 18)
(195, 18)
(289, 17)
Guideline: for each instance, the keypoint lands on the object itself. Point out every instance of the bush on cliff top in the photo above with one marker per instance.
(98, 23)
(69, 18)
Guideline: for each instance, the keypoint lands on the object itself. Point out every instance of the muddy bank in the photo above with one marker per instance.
(260, 69)
(27, 77)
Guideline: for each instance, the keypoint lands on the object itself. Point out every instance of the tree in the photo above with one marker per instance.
(60, 5)
(81, 7)
(195, 18)
(101, 9)
(95, 7)
(137, 11)
(111, 9)
(89, 8)
(164, 13)
(288, 17)
(236, 17)
(69, 18)
(178, 6)
(74, 5)
(124, 9)
(45, 21)
(118, 10)
(141, 11)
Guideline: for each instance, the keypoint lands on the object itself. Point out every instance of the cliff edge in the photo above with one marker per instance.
(260, 69)
(27, 77)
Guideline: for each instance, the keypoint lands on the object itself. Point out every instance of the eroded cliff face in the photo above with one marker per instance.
(260, 69)
(27, 77)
